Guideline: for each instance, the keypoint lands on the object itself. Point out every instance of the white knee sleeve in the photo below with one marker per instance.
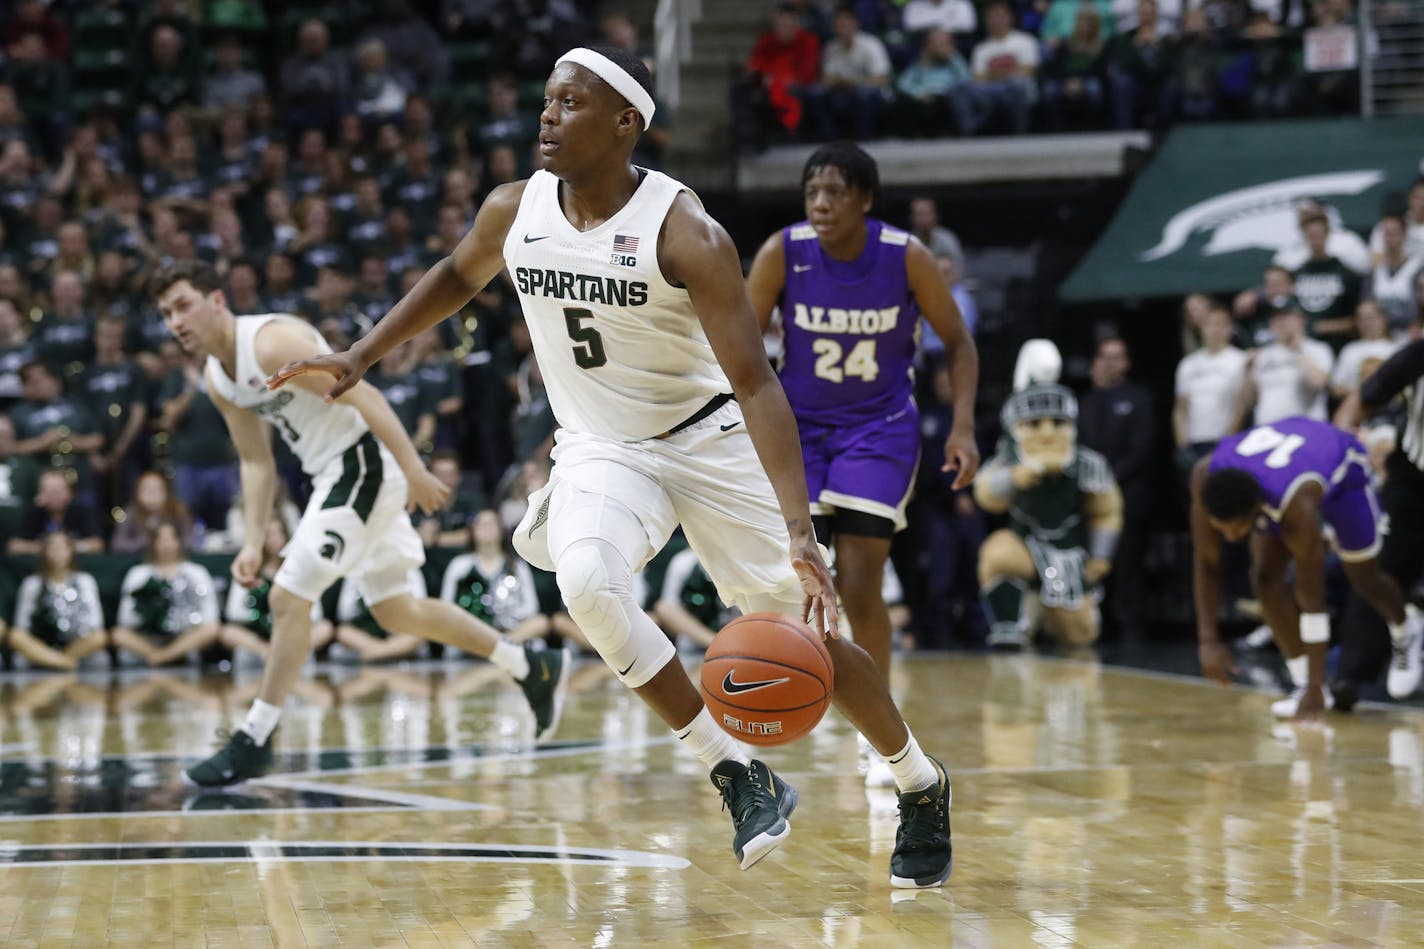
(597, 587)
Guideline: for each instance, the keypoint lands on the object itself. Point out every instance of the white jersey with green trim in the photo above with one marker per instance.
(621, 350)
(315, 430)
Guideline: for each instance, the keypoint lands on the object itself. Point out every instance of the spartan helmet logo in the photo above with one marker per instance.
(334, 547)
(1042, 420)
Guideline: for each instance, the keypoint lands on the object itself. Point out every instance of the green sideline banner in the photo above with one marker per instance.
(1217, 202)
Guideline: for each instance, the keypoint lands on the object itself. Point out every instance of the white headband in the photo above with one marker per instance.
(616, 76)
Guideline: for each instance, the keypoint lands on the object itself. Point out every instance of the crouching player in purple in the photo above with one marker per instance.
(1283, 484)
(851, 290)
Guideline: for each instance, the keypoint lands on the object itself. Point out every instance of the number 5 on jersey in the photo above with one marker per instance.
(588, 353)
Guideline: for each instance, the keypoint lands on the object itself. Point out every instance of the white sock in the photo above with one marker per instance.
(1299, 669)
(511, 659)
(709, 743)
(261, 720)
(913, 771)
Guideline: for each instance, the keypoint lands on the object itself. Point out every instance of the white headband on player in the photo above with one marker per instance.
(616, 76)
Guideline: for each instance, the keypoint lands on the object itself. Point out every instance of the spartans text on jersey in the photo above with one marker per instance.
(584, 288)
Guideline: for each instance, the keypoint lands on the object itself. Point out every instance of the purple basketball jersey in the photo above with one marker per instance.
(850, 328)
(1287, 453)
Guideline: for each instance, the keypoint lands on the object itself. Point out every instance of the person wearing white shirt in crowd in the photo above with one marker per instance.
(855, 76)
(1208, 384)
(952, 16)
(1341, 243)
(1374, 346)
(1395, 272)
(1005, 65)
(1413, 220)
(1288, 377)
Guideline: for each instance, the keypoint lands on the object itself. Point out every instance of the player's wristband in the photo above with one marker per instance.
(1001, 481)
(1102, 543)
(1315, 628)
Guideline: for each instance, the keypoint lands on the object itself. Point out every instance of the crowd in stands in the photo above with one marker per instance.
(915, 68)
(299, 151)
(322, 156)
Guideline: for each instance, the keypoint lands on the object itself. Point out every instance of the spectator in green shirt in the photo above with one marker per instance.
(450, 526)
(54, 430)
(117, 389)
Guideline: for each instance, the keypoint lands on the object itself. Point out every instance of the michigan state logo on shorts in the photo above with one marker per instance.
(335, 544)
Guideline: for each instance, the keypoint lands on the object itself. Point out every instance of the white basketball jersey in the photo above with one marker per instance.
(315, 430)
(621, 350)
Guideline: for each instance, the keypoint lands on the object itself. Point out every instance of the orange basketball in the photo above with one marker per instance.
(767, 678)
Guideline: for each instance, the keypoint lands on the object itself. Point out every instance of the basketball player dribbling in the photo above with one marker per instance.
(851, 291)
(669, 413)
(365, 474)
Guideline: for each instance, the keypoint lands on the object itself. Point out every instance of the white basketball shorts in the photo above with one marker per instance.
(355, 526)
(706, 477)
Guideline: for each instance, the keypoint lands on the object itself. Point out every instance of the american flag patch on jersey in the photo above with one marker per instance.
(625, 244)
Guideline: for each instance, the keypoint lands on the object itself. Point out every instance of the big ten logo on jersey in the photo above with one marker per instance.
(750, 728)
(625, 250)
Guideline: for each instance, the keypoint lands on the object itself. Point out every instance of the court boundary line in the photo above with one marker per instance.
(267, 851)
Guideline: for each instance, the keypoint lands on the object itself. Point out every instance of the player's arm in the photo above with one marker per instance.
(696, 253)
(444, 290)
(1216, 661)
(766, 281)
(1302, 536)
(258, 473)
(961, 451)
(280, 344)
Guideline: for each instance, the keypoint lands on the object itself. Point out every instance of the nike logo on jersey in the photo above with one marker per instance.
(624, 672)
(728, 428)
(802, 268)
(732, 687)
(530, 240)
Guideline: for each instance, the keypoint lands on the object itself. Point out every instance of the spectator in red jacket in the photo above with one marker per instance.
(785, 61)
(33, 16)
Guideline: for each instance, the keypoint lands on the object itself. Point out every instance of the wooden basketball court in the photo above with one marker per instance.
(1094, 806)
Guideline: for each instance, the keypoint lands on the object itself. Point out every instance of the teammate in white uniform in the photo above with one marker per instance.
(643, 331)
(365, 475)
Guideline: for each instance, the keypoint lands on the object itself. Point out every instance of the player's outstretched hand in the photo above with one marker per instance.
(1216, 662)
(246, 565)
(961, 454)
(820, 593)
(343, 366)
(426, 492)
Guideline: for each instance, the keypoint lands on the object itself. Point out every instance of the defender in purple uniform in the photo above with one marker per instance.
(851, 290)
(1281, 484)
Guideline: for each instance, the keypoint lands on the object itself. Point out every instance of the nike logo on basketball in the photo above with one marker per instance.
(798, 268)
(530, 240)
(732, 687)
(728, 428)
(624, 672)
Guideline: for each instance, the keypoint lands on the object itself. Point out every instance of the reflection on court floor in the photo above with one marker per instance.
(1093, 806)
